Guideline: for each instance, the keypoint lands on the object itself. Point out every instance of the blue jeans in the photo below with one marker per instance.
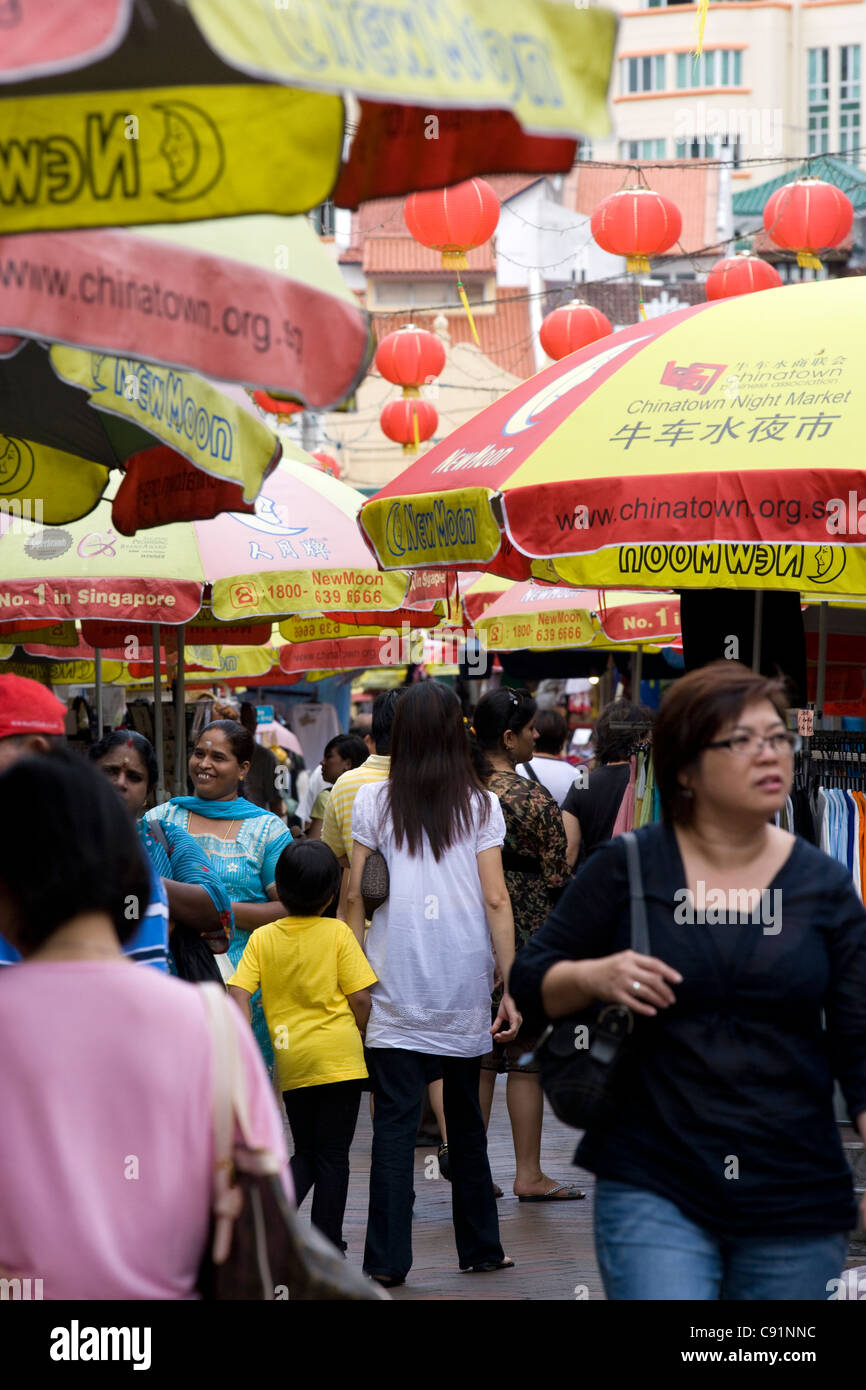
(648, 1250)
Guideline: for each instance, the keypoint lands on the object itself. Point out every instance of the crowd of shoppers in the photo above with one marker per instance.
(719, 1170)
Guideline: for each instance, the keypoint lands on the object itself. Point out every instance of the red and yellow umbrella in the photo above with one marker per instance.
(214, 107)
(719, 446)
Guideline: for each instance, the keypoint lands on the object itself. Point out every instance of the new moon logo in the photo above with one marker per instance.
(829, 564)
(16, 465)
(192, 149)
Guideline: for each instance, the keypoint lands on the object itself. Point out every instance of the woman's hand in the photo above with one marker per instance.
(613, 978)
(509, 1015)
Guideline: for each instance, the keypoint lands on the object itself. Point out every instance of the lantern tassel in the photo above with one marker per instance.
(642, 307)
(700, 25)
(807, 260)
(415, 429)
(465, 303)
(637, 265)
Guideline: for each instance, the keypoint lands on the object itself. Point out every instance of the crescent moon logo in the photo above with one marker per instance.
(830, 561)
(192, 149)
(267, 519)
(16, 464)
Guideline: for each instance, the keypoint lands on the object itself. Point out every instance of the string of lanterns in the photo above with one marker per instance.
(806, 216)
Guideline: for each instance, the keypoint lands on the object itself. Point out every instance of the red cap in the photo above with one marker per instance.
(26, 707)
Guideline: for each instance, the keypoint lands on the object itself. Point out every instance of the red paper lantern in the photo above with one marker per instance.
(328, 462)
(808, 215)
(453, 220)
(408, 422)
(275, 405)
(636, 223)
(571, 327)
(741, 274)
(409, 357)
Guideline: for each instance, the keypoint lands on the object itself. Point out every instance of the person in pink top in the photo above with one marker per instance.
(106, 1149)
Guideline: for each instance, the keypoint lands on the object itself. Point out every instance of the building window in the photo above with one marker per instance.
(584, 150)
(716, 67)
(643, 74)
(642, 149)
(849, 100)
(322, 219)
(708, 148)
(819, 100)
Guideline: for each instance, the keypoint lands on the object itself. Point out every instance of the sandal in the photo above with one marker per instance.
(553, 1194)
(488, 1266)
(444, 1162)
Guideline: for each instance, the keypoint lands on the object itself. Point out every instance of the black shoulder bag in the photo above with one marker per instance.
(578, 1056)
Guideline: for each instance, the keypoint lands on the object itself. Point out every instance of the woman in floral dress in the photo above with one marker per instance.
(536, 872)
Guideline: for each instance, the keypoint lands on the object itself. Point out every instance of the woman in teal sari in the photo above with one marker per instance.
(243, 841)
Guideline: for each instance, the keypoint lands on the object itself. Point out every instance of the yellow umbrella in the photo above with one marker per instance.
(716, 447)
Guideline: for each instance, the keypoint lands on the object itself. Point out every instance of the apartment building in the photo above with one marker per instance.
(775, 78)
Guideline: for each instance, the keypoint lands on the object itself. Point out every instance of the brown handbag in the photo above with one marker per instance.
(257, 1247)
(375, 882)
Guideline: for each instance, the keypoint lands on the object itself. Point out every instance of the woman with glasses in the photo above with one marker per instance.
(720, 1174)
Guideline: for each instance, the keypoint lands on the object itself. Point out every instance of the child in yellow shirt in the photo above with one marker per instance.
(315, 981)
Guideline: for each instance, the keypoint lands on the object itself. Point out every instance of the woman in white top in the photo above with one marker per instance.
(440, 832)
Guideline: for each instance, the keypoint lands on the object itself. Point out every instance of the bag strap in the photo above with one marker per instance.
(532, 775)
(228, 1103)
(640, 941)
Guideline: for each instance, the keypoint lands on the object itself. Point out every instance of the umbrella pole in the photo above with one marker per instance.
(157, 716)
(756, 631)
(180, 718)
(636, 668)
(822, 663)
(97, 668)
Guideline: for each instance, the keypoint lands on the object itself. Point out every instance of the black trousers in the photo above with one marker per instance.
(322, 1120)
(398, 1079)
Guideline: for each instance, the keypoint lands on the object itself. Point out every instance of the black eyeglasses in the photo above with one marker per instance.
(751, 745)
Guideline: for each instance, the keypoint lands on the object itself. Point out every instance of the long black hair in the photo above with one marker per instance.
(128, 738)
(432, 783)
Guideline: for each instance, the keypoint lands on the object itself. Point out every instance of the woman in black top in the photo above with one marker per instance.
(721, 1174)
(590, 809)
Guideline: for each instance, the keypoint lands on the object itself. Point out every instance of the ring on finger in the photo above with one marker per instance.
(635, 986)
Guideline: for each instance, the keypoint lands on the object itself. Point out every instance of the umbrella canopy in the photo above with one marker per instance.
(719, 446)
(56, 450)
(541, 617)
(255, 300)
(299, 552)
(198, 110)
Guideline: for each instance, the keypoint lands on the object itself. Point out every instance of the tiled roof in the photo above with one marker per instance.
(383, 217)
(505, 336)
(763, 246)
(692, 185)
(402, 255)
(851, 180)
